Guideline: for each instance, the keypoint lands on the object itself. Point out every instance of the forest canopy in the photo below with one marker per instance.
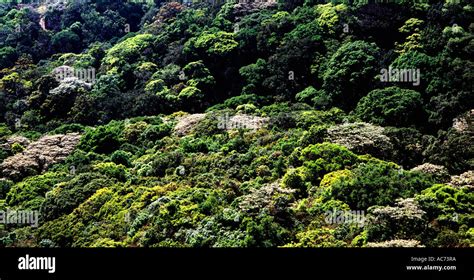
(257, 124)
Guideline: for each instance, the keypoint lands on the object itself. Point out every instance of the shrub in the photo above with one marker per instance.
(29, 194)
(110, 169)
(69, 128)
(66, 196)
(133, 131)
(4, 131)
(378, 183)
(450, 206)
(121, 157)
(194, 145)
(321, 159)
(294, 180)
(163, 161)
(308, 118)
(103, 139)
(315, 134)
(155, 132)
(322, 237)
(5, 186)
(17, 148)
(306, 95)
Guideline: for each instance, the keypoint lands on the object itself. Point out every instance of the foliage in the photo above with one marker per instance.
(349, 74)
(383, 181)
(391, 107)
(237, 125)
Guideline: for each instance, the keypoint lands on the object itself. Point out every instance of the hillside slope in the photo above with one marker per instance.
(291, 124)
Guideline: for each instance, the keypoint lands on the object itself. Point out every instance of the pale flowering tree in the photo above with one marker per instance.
(361, 138)
(395, 243)
(405, 220)
(39, 155)
(439, 172)
(265, 198)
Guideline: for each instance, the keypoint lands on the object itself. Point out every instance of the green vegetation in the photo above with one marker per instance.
(238, 125)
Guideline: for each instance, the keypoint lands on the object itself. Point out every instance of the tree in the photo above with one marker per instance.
(191, 95)
(61, 99)
(197, 73)
(361, 138)
(103, 139)
(378, 183)
(317, 238)
(328, 18)
(213, 43)
(254, 74)
(65, 197)
(451, 149)
(320, 159)
(412, 28)
(392, 106)
(449, 206)
(307, 95)
(8, 57)
(129, 51)
(427, 65)
(405, 220)
(30, 193)
(66, 41)
(350, 73)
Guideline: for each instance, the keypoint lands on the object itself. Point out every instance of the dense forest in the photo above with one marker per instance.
(297, 123)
